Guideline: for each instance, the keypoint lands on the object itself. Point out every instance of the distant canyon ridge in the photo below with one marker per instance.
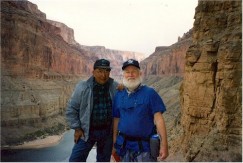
(199, 78)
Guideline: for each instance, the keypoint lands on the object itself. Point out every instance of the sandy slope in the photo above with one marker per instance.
(39, 143)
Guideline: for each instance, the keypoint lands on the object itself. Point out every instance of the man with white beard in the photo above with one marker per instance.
(137, 113)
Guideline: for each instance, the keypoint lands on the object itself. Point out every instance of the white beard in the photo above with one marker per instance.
(132, 84)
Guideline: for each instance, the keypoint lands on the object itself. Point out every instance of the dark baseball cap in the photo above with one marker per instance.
(130, 62)
(102, 63)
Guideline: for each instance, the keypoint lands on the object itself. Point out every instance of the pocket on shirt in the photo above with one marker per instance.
(128, 107)
(142, 108)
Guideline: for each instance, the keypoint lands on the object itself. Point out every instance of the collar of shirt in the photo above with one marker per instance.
(100, 85)
(135, 90)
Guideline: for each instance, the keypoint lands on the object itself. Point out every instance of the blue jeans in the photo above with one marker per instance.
(103, 142)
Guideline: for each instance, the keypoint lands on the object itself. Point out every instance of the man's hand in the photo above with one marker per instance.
(120, 87)
(115, 155)
(163, 153)
(78, 134)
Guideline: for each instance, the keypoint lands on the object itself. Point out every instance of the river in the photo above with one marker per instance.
(57, 153)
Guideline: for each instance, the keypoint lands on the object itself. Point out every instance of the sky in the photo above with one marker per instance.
(127, 25)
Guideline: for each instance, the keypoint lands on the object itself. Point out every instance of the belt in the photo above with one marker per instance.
(133, 138)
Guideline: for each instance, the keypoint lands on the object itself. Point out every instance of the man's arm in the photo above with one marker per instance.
(115, 129)
(72, 113)
(161, 129)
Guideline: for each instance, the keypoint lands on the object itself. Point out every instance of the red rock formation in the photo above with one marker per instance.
(32, 48)
(168, 60)
(66, 32)
(38, 68)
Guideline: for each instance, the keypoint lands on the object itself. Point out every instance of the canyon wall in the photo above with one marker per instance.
(168, 60)
(40, 64)
(211, 93)
(116, 57)
(38, 70)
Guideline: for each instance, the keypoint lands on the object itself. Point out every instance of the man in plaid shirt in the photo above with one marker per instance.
(89, 113)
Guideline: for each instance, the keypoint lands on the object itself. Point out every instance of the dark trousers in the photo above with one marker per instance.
(103, 142)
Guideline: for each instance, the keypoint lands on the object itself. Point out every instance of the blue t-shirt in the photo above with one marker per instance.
(136, 111)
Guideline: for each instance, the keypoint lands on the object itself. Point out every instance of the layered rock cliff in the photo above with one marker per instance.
(117, 57)
(168, 60)
(38, 71)
(66, 32)
(40, 64)
(211, 93)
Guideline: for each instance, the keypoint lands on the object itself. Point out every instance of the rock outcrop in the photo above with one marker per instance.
(66, 32)
(211, 94)
(168, 60)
